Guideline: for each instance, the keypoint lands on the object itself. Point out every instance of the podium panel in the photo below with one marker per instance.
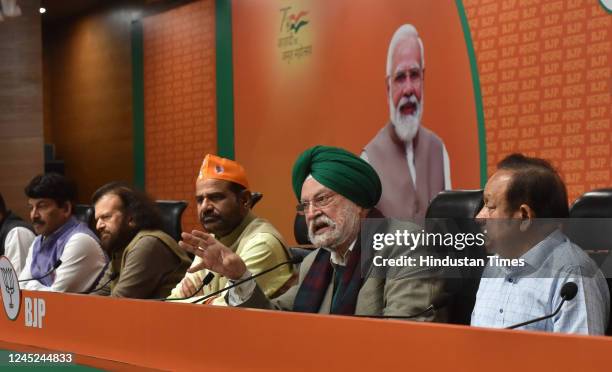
(176, 336)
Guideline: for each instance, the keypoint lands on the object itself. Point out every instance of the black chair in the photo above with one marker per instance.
(590, 227)
(171, 212)
(453, 212)
(300, 232)
(85, 213)
(255, 198)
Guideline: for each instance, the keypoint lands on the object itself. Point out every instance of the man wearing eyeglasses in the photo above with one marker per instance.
(336, 190)
(411, 160)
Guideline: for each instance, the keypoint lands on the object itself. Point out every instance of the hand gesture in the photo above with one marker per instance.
(215, 256)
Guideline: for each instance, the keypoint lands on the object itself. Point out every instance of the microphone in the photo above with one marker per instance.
(207, 279)
(57, 264)
(568, 292)
(438, 303)
(293, 261)
(112, 277)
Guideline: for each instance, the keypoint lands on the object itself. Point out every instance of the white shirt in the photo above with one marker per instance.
(16, 246)
(82, 262)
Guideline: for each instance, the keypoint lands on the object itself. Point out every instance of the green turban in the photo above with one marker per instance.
(340, 171)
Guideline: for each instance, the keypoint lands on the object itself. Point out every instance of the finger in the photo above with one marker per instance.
(190, 239)
(207, 238)
(188, 287)
(194, 249)
(185, 287)
(200, 266)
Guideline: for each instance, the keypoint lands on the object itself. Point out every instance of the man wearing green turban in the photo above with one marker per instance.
(340, 171)
(335, 191)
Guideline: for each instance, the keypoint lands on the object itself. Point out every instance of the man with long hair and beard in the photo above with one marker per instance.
(145, 261)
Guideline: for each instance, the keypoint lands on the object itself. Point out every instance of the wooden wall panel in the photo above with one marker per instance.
(21, 108)
(88, 108)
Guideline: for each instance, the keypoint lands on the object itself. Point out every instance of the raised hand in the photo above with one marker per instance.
(215, 256)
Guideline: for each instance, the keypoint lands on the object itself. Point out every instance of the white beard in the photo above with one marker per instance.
(406, 126)
(348, 223)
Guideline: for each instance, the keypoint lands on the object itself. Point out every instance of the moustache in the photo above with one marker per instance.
(408, 100)
(321, 222)
(37, 222)
(209, 215)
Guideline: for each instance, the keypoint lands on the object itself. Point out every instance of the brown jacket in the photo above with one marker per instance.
(149, 267)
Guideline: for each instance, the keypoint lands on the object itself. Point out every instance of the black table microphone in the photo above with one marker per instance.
(568, 292)
(57, 264)
(207, 279)
(293, 261)
(112, 277)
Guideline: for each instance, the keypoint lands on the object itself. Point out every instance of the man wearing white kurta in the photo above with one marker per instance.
(63, 242)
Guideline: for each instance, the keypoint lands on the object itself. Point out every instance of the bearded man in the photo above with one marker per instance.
(411, 160)
(335, 190)
(223, 201)
(145, 261)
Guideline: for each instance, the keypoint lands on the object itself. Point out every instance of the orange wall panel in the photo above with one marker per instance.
(545, 79)
(180, 100)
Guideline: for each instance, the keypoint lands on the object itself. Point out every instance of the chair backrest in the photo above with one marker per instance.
(593, 204)
(171, 212)
(453, 212)
(85, 214)
(300, 230)
(593, 234)
(455, 204)
(255, 198)
(589, 215)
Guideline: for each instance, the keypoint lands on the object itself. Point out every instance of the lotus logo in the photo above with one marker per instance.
(11, 295)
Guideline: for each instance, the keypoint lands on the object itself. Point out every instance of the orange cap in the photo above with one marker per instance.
(223, 169)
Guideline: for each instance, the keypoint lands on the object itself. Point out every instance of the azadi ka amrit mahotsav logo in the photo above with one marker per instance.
(297, 21)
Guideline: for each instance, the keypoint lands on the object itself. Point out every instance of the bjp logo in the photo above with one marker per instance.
(11, 295)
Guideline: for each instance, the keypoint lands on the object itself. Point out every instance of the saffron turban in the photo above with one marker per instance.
(223, 169)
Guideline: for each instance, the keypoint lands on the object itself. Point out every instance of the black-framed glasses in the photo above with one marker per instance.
(318, 202)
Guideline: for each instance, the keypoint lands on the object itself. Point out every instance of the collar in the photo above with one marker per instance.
(534, 258)
(232, 237)
(336, 259)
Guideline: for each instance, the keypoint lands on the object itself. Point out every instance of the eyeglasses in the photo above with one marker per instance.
(318, 202)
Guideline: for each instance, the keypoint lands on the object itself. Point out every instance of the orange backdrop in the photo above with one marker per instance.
(545, 79)
(325, 84)
(180, 101)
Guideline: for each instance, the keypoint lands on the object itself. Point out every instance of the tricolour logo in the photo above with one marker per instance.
(297, 21)
(11, 295)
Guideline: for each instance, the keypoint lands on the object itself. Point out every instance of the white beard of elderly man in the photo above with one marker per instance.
(335, 190)
(411, 160)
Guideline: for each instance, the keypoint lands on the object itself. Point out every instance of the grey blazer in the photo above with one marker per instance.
(395, 295)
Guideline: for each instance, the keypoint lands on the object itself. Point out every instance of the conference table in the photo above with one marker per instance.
(125, 334)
